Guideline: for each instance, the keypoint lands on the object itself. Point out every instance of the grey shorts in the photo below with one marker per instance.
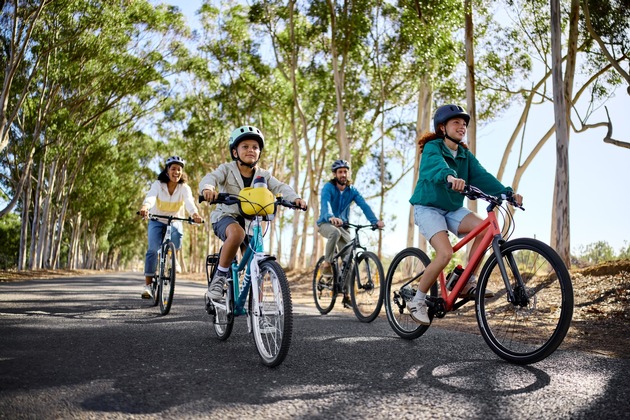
(219, 227)
(431, 220)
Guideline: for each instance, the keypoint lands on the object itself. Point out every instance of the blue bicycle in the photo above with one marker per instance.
(258, 275)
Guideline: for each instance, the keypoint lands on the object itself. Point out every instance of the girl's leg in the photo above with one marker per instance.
(468, 223)
(443, 255)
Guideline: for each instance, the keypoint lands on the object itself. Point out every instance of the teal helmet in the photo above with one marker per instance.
(246, 132)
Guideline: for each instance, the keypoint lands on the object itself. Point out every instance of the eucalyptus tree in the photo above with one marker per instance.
(527, 30)
(89, 61)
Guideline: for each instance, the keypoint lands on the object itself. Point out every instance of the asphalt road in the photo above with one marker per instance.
(89, 347)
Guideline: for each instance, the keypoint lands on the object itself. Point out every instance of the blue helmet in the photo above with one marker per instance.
(340, 163)
(446, 112)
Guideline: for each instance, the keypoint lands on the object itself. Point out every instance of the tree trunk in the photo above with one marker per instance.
(471, 102)
(561, 190)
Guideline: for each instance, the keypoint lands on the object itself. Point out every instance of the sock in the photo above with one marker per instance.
(223, 269)
(420, 296)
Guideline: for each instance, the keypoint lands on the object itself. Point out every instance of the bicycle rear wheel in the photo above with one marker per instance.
(366, 292)
(533, 326)
(324, 291)
(400, 286)
(167, 278)
(271, 314)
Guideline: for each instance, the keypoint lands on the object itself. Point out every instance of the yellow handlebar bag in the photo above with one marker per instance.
(257, 202)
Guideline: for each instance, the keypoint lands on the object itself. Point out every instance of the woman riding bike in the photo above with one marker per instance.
(168, 196)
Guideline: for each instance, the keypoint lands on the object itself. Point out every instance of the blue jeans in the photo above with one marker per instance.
(156, 231)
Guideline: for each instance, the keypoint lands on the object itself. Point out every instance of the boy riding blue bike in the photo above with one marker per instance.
(246, 144)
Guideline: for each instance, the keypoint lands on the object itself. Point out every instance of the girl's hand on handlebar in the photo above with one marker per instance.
(457, 184)
(518, 198)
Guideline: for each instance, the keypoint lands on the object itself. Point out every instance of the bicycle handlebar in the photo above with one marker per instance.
(474, 193)
(229, 199)
(170, 218)
(359, 227)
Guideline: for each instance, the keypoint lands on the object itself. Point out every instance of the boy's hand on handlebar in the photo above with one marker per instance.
(301, 203)
(457, 184)
(209, 195)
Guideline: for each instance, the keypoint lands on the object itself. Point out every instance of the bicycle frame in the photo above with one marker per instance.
(492, 237)
(241, 290)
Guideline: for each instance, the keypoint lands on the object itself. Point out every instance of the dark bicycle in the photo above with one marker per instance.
(365, 284)
(163, 282)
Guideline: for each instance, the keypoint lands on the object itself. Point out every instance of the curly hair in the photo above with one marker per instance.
(430, 136)
(163, 177)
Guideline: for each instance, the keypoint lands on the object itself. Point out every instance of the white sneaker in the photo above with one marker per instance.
(147, 292)
(215, 289)
(418, 311)
(178, 268)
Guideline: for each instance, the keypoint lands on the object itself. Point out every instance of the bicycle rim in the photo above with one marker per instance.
(400, 285)
(167, 279)
(532, 327)
(324, 292)
(271, 314)
(367, 287)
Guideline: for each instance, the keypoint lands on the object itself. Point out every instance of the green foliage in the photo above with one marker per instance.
(10, 240)
(597, 252)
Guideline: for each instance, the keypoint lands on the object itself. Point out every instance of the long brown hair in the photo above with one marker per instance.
(429, 136)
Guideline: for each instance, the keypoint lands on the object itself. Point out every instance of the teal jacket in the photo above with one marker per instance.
(438, 163)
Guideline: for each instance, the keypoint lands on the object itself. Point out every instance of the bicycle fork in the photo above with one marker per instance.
(515, 293)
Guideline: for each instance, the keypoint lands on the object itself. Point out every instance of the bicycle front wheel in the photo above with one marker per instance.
(167, 278)
(366, 292)
(224, 312)
(400, 287)
(271, 314)
(532, 326)
(324, 291)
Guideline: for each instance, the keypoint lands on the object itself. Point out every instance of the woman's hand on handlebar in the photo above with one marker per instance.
(143, 212)
(457, 184)
(196, 218)
(518, 199)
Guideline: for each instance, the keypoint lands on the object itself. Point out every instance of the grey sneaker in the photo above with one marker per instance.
(147, 292)
(472, 291)
(215, 289)
(418, 311)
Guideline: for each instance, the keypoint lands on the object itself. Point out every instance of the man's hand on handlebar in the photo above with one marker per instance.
(335, 221)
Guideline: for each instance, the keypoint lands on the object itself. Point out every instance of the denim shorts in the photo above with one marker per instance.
(431, 220)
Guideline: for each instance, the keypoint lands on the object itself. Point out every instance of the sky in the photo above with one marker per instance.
(598, 173)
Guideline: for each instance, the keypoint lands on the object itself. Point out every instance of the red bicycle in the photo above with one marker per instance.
(531, 310)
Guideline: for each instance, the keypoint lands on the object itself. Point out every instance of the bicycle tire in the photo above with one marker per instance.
(402, 276)
(531, 328)
(324, 289)
(271, 314)
(167, 278)
(366, 291)
(155, 288)
(223, 321)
